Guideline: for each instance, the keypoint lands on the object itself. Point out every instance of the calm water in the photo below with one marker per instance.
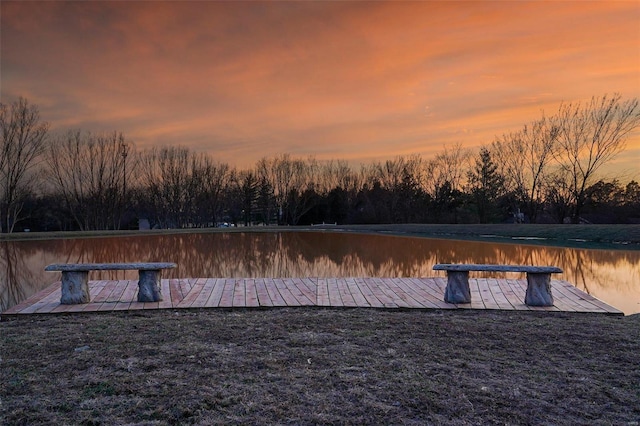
(612, 276)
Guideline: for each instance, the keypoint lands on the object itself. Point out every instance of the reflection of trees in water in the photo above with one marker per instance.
(11, 292)
(296, 254)
(18, 279)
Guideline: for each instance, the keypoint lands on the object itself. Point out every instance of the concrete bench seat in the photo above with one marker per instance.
(538, 281)
(75, 279)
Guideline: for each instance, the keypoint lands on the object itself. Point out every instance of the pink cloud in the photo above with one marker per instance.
(338, 79)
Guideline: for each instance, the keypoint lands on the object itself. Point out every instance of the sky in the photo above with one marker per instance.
(358, 81)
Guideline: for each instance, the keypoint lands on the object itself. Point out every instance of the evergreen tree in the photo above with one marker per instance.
(486, 186)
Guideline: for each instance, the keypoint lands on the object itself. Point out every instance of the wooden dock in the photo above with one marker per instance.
(419, 293)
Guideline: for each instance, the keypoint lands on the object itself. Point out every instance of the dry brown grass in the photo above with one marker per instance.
(320, 366)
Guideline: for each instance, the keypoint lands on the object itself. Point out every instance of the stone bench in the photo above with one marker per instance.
(75, 279)
(538, 281)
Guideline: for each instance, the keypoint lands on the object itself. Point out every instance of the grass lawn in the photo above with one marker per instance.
(321, 366)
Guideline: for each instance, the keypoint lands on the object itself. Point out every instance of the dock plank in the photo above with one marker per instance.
(285, 292)
(334, 292)
(476, 298)
(165, 290)
(193, 293)
(518, 291)
(263, 295)
(344, 288)
(33, 299)
(426, 289)
(362, 296)
(205, 292)
(298, 289)
(309, 292)
(400, 298)
(274, 294)
(226, 301)
(322, 295)
(580, 303)
(239, 299)
(105, 292)
(499, 297)
(408, 292)
(46, 304)
(432, 292)
(98, 296)
(127, 297)
(391, 289)
(216, 293)
(175, 292)
(381, 292)
(485, 294)
(510, 295)
(251, 298)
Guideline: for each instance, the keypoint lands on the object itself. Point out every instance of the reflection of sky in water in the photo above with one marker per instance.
(613, 276)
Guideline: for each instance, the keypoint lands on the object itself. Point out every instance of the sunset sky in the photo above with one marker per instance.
(359, 81)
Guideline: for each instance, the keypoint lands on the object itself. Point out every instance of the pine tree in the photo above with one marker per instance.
(486, 187)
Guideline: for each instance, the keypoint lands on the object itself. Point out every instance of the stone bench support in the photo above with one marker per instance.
(75, 279)
(457, 290)
(538, 281)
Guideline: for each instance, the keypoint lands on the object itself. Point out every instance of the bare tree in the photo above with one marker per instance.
(400, 180)
(278, 172)
(243, 194)
(165, 177)
(524, 157)
(336, 174)
(558, 195)
(339, 185)
(23, 139)
(180, 188)
(208, 181)
(589, 136)
(294, 183)
(90, 173)
(303, 196)
(443, 179)
(445, 169)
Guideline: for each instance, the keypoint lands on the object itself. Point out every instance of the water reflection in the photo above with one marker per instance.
(613, 276)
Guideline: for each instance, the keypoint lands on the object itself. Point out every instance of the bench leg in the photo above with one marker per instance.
(538, 290)
(457, 290)
(149, 286)
(75, 287)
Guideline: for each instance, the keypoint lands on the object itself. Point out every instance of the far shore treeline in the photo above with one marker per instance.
(546, 172)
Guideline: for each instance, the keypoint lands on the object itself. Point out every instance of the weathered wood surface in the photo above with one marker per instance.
(419, 293)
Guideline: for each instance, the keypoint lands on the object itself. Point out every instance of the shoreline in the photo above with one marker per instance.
(607, 237)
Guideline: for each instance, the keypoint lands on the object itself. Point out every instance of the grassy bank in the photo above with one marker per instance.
(311, 366)
(620, 237)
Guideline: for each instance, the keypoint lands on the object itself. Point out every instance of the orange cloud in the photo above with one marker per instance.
(347, 80)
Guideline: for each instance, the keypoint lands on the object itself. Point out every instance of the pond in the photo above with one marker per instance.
(610, 275)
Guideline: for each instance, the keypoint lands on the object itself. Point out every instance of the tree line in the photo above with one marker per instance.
(548, 171)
